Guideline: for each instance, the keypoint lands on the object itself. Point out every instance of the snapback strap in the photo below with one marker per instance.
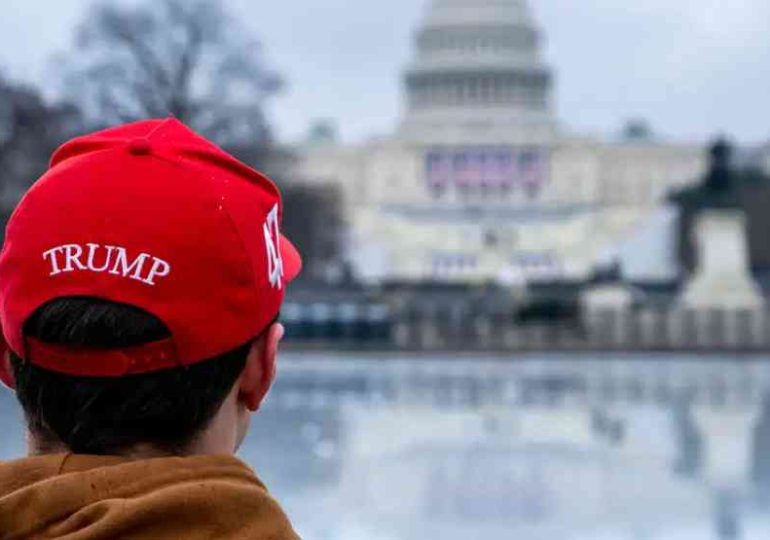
(103, 363)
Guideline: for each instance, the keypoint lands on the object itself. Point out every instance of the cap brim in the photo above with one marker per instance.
(6, 378)
(292, 260)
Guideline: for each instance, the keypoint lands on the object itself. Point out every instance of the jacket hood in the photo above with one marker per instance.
(99, 498)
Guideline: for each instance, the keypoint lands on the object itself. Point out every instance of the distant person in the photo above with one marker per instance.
(140, 285)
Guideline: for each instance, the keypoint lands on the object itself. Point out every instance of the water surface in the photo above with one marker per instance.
(381, 447)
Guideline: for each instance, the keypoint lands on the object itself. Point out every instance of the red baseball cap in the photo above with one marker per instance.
(154, 216)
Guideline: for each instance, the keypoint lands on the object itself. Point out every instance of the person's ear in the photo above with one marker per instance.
(6, 373)
(260, 370)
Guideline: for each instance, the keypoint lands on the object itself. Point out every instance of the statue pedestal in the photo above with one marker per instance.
(723, 279)
(612, 297)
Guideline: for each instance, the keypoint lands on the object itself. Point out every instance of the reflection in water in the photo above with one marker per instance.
(689, 441)
(568, 447)
(728, 521)
(761, 450)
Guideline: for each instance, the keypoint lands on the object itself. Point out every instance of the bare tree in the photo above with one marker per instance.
(189, 59)
(313, 220)
(185, 58)
(30, 129)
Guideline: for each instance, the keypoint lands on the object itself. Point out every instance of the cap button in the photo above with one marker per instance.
(140, 147)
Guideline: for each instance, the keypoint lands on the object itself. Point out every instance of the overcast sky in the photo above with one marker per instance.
(693, 68)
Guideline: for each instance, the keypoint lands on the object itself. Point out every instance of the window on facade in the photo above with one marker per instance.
(495, 91)
(485, 90)
(458, 92)
(473, 90)
(437, 191)
(491, 239)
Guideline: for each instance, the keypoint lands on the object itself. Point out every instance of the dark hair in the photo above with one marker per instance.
(103, 416)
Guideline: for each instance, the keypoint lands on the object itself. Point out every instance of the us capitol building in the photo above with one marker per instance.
(479, 183)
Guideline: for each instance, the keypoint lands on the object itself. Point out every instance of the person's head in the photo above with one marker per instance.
(140, 285)
(202, 408)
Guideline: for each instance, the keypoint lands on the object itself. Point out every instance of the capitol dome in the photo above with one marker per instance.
(478, 72)
(463, 12)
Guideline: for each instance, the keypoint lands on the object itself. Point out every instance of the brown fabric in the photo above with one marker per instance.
(70, 497)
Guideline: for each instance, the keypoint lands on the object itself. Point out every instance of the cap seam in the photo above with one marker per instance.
(157, 128)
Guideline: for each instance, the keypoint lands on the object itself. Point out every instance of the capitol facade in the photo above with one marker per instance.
(479, 183)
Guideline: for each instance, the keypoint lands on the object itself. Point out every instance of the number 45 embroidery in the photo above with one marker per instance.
(272, 243)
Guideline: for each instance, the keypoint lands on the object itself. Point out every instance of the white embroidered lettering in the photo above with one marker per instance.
(72, 254)
(113, 260)
(160, 268)
(92, 249)
(51, 253)
(272, 244)
(123, 268)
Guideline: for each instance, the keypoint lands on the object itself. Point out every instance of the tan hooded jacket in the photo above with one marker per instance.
(69, 497)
